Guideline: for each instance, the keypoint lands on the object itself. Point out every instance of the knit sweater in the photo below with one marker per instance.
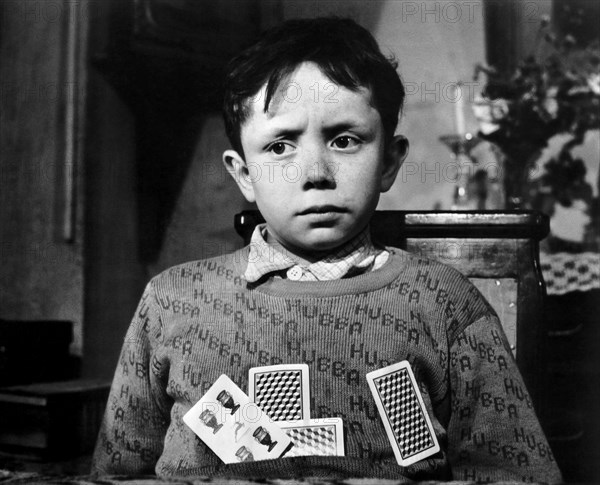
(199, 320)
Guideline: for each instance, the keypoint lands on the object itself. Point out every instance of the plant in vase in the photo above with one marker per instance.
(564, 194)
(555, 90)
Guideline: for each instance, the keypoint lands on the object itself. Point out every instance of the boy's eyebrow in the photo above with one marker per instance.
(333, 128)
(292, 133)
(328, 131)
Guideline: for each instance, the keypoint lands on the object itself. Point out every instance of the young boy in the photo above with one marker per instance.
(311, 111)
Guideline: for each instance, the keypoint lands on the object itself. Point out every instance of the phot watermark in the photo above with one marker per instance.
(46, 253)
(452, 251)
(52, 11)
(48, 92)
(441, 11)
(453, 171)
(448, 172)
(466, 11)
(450, 92)
(291, 171)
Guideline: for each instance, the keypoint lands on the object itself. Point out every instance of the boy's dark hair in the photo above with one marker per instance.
(346, 53)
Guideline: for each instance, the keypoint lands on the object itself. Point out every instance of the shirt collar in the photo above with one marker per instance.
(357, 255)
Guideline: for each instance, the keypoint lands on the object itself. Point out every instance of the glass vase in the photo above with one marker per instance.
(516, 185)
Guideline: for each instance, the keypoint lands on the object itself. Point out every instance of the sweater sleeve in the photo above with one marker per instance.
(493, 433)
(137, 412)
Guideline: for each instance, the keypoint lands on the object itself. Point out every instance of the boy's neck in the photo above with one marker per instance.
(303, 258)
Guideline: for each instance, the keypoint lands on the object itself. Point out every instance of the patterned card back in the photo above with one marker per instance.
(318, 437)
(312, 440)
(404, 413)
(279, 394)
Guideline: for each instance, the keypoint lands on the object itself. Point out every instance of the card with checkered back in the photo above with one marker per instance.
(281, 391)
(315, 437)
(403, 413)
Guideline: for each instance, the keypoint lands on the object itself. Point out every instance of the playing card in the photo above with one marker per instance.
(321, 437)
(234, 427)
(282, 391)
(403, 413)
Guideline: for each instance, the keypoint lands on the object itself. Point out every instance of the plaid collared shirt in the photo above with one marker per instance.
(357, 256)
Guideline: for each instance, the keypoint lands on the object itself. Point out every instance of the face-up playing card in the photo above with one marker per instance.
(282, 391)
(403, 413)
(234, 427)
(320, 437)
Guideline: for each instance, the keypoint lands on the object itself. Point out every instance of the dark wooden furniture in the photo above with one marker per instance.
(52, 420)
(46, 412)
(498, 251)
(572, 421)
(35, 351)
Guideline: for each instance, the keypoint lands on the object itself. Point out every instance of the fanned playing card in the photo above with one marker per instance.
(234, 427)
(282, 391)
(403, 413)
(315, 437)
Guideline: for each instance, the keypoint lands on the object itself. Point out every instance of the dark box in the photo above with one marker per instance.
(35, 351)
(54, 419)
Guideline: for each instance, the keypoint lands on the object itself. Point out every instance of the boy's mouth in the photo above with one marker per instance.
(322, 209)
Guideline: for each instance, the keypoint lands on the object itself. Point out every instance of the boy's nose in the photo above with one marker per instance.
(320, 171)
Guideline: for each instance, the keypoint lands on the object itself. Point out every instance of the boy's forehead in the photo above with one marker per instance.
(309, 88)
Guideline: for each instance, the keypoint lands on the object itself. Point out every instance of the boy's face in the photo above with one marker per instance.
(316, 162)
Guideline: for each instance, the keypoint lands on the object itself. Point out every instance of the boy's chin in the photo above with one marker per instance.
(322, 243)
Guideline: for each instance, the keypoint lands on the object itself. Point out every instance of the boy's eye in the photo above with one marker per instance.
(344, 142)
(279, 148)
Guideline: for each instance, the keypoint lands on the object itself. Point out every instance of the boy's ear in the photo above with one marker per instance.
(395, 153)
(237, 168)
